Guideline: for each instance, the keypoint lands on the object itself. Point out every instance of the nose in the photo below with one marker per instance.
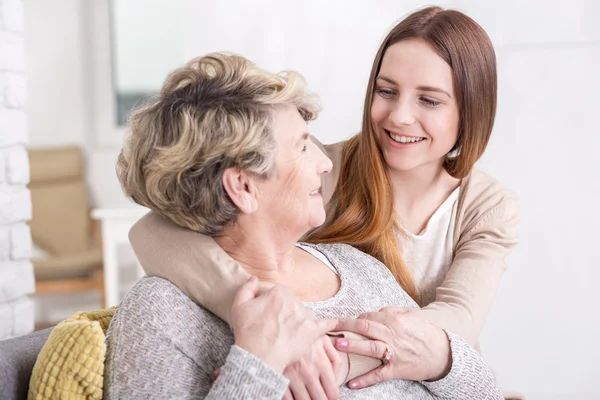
(402, 113)
(324, 164)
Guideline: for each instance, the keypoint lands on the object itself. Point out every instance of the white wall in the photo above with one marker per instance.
(58, 71)
(545, 147)
(55, 66)
(16, 272)
(331, 43)
(541, 335)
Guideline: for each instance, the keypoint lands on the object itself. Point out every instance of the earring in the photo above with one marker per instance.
(454, 153)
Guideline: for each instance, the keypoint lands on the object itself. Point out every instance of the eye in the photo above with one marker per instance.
(385, 93)
(429, 102)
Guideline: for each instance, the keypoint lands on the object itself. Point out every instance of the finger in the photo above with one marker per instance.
(374, 377)
(247, 291)
(316, 391)
(365, 327)
(281, 291)
(396, 310)
(331, 352)
(326, 325)
(288, 395)
(328, 384)
(298, 390)
(381, 317)
(369, 348)
(373, 316)
(332, 389)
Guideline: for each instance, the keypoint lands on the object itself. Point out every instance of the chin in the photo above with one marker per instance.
(317, 221)
(404, 165)
(316, 224)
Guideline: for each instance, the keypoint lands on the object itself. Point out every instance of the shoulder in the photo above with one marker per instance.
(482, 194)
(143, 296)
(334, 150)
(156, 307)
(486, 204)
(160, 343)
(341, 251)
(481, 189)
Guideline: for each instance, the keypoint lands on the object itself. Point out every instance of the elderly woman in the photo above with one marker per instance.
(225, 151)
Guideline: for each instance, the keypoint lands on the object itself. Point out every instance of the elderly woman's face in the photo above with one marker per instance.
(292, 198)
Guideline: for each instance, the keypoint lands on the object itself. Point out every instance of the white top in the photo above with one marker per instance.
(429, 254)
(320, 256)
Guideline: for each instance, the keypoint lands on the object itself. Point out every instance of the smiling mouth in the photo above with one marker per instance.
(315, 192)
(404, 139)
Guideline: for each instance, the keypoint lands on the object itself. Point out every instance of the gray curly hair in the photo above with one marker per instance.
(212, 114)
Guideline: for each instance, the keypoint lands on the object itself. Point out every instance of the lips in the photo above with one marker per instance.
(315, 192)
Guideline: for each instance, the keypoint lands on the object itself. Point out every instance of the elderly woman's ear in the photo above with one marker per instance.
(241, 189)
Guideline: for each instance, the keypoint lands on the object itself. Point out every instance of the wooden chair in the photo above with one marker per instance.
(61, 224)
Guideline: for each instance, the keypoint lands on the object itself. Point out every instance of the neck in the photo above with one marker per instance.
(413, 186)
(263, 253)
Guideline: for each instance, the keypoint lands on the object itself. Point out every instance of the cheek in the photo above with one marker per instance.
(453, 125)
(452, 130)
(292, 187)
(378, 111)
(443, 127)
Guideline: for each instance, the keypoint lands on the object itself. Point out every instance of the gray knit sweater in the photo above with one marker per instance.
(161, 345)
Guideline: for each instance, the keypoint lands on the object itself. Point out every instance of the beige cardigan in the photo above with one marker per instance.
(485, 232)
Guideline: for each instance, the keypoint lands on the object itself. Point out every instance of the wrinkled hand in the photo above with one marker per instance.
(318, 374)
(274, 326)
(421, 350)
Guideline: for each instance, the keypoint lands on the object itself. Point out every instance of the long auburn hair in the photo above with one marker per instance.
(361, 211)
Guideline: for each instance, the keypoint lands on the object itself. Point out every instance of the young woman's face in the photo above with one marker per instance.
(414, 112)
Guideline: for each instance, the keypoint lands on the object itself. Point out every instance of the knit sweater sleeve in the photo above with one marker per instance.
(161, 345)
(246, 377)
(469, 377)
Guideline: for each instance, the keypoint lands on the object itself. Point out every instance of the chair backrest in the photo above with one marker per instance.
(61, 222)
(17, 358)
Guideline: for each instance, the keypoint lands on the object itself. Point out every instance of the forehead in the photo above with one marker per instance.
(414, 61)
(288, 126)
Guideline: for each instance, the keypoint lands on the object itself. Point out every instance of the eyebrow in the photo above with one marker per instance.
(304, 137)
(422, 88)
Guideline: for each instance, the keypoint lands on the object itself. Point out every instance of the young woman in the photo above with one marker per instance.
(403, 190)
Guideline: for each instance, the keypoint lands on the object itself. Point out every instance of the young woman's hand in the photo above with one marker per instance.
(420, 350)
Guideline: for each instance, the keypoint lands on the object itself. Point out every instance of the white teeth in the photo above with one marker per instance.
(316, 191)
(406, 139)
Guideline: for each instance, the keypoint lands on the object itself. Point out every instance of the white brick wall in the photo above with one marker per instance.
(16, 272)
